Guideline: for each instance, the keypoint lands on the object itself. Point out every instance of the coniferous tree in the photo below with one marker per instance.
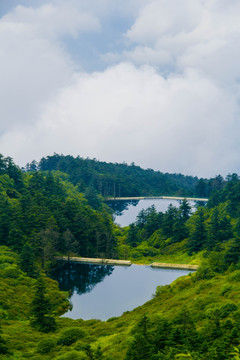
(142, 347)
(41, 311)
(169, 219)
(132, 239)
(27, 261)
(185, 209)
(213, 230)
(198, 235)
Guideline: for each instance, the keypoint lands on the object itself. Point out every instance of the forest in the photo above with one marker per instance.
(116, 180)
(57, 208)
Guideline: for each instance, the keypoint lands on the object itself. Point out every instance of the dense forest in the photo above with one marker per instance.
(118, 180)
(46, 212)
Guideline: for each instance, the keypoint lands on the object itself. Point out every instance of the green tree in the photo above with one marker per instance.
(198, 233)
(169, 219)
(41, 310)
(27, 261)
(93, 198)
(213, 230)
(132, 239)
(68, 242)
(185, 209)
(179, 230)
(141, 347)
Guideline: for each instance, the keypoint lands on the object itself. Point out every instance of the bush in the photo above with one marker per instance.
(45, 346)
(11, 271)
(70, 336)
(235, 276)
(73, 355)
(204, 272)
(162, 289)
(226, 289)
(227, 309)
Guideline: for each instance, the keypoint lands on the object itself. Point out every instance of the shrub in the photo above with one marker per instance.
(235, 276)
(204, 272)
(162, 289)
(45, 346)
(226, 289)
(227, 309)
(73, 355)
(70, 336)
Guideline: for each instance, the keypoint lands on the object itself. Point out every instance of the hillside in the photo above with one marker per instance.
(197, 315)
(43, 214)
(110, 179)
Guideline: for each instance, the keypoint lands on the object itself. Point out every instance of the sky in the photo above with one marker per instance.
(154, 82)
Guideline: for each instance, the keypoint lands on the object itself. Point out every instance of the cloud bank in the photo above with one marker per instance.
(167, 99)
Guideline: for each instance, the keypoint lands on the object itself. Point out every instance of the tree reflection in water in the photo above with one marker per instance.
(80, 278)
(118, 206)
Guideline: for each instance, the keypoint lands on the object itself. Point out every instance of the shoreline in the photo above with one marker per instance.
(100, 261)
(174, 266)
(156, 197)
(95, 260)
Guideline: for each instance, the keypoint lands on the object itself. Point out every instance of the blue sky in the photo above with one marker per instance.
(155, 82)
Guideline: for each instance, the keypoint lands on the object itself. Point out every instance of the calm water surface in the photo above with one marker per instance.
(104, 291)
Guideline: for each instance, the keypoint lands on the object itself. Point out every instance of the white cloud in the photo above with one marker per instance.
(165, 17)
(50, 20)
(34, 64)
(180, 124)
(184, 122)
(186, 34)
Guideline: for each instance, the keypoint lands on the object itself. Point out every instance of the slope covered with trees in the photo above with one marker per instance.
(42, 214)
(213, 229)
(110, 179)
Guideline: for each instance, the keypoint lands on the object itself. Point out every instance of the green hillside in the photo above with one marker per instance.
(110, 179)
(43, 214)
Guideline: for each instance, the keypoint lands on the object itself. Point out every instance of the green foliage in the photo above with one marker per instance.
(41, 311)
(42, 213)
(198, 234)
(45, 346)
(35, 217)
(28, 261)
(70, 336)
(3, 346)
(72, 355)
(118, 179)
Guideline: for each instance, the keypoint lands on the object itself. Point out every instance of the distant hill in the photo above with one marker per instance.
(113, 179)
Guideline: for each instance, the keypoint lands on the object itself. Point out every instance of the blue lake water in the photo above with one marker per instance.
(104, 291)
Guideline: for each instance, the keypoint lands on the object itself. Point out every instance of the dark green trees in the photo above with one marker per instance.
(28, 261)
(141, 347)
(3, 346)
(41, 310)
(198, 234)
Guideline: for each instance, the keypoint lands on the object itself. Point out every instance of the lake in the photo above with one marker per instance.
(104, 291)
(127, 211)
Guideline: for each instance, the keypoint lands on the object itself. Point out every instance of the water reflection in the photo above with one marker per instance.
(79, 278)
(118, 206)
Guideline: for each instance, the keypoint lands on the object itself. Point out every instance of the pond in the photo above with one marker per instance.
(126, 211)
(104, 291)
